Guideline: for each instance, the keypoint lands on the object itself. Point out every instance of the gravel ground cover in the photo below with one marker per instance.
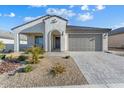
(40, 76)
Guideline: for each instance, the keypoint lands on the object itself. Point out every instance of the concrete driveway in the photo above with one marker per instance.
(100, 68)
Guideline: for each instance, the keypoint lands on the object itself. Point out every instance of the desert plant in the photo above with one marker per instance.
(2, 57)
(57, 69)
(41, 57)
(2, 45)
(22, 58)
(27, 69)
(10, 57)
(35, 52)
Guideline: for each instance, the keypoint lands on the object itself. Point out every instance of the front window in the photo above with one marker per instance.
(39, 41)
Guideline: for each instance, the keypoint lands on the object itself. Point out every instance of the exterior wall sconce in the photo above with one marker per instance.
(105, 34)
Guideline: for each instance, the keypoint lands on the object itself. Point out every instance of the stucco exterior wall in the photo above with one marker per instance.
(31, 39)
(105, 41)
(116, 41)
(31, 24)
(60, 26)
(46, 27)
(38, 28)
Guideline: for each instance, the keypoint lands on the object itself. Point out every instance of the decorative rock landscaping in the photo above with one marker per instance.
(41, 77)
(8, 66)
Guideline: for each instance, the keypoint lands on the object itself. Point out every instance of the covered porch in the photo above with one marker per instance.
(33, 39)
(38, 39)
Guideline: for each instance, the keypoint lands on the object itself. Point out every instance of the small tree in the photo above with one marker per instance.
(2, 45)
(35, 52)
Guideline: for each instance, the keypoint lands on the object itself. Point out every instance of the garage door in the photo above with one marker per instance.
(85, 42)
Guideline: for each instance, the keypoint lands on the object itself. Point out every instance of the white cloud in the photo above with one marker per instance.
(10, 15)
(29, 18)
(0, 14)
(85, 7)
(38, 6)
(60, 12)
(85, 17)
(118, 25)
(71, 6)
(100, 7)
(93, 10)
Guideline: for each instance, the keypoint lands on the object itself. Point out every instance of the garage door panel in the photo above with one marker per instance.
(85, 42)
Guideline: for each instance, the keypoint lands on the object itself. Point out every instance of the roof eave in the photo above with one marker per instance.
(28, 22)
(38, 19)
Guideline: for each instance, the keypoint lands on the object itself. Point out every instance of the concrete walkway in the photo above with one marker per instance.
(101, 68)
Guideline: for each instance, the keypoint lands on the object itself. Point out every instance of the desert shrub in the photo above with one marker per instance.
(35, 52)
(41, 57)
(57, 69)
(2, 45)
(66, 57)
(2, 57)
(27, 69)
(22, 58)
(10, 57)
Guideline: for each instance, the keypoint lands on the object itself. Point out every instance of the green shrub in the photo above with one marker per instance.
(2, 57)
(57, 69)
(27, 69)
(10, 57)
(66, 57)
(2, 46)
(22, 58)
(41, 57)
(35, 52)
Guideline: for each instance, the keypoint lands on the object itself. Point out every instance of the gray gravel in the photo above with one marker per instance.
(40, 76)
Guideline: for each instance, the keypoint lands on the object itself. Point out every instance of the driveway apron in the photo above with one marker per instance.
(100, 67)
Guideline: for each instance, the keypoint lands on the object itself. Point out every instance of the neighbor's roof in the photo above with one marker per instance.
(71, 27)
(9, 35)
(46, 17)
(6, 34)
(117, 31)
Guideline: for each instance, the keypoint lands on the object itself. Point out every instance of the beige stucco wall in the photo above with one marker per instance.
(105, 41)
(60, 26)
(116, 40)
(46, 27)
(31, 39)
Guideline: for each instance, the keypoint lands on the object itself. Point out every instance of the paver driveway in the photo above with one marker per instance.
(99, 67)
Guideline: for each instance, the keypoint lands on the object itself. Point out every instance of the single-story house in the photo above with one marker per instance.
(7, 38)
(116, 38)
(53, 33)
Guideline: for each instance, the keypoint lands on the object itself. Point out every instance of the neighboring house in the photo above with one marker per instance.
(8, 39)
(54, 34)
(116, 38)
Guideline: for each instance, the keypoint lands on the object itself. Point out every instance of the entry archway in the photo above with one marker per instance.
(55, 41)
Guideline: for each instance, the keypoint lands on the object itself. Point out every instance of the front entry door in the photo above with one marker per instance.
(57, 42)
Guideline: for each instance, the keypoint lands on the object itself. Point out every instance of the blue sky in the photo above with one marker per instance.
(83, 15)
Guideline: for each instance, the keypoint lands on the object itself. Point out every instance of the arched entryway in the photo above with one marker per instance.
(55, 41)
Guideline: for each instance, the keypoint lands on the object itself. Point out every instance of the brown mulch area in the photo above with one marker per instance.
(8, 66)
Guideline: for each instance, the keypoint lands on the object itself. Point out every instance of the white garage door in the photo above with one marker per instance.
(85, 42)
